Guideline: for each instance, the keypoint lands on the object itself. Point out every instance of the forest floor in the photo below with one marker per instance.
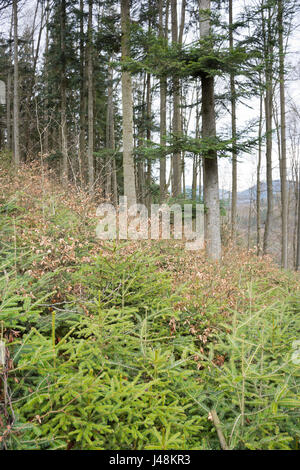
(132, 345)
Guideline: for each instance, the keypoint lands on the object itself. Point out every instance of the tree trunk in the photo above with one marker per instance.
(211, 183)
(148, 137)
(90, 103)
(8, 111)
(110, 135)
(197, 133)
(258, 188)
(163, 114)
(64, 142)
(9, 91)
(16, 88)
(249, 223)
(194, 180)
(46, 108)
(283, 172)
(82, 120)
(269, 116)
(127, 107)
(298, 230)
(176, 128)
(233, 132)
(200, 178)
(295, 214)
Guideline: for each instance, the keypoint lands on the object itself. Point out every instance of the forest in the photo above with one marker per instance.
(149, 225)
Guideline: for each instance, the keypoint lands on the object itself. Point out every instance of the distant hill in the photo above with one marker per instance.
(245, 196)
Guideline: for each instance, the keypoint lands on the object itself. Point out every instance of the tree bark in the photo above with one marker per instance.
(197, 133)
(176, 128)
(46, 108)
(269, 116)
(298, 229)
(200, 178)
(148, 137)
(210, 164)
(64, 142)
(127, 106)
(163, 114)
(82, 111)
(110, 135)
(16, 89)
(8, 111)
(9, 91)
(90, 103)
(283, 163)
(233, 132)
(194, 180)
(258, 188)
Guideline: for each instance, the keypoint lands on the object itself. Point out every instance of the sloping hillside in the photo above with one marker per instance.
(136, 345)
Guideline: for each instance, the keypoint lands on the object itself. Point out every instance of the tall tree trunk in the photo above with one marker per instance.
(140, 163)
(9, 91)
(258, 188)
(194, 180)
(110, 134)
(64, 142)
(8, 110)
(127, 106)
(295, 215)
(197, 134)
(46, 109)
(163, 113)
(283, 172)
(233, 132)
(114, 182)
(176, 184)
(200, 178)
(211, 182)
(90, 103)
(148, 137)
(82, 120)
(16, 88)
(269, 116)
(249, 223)
(298, 228)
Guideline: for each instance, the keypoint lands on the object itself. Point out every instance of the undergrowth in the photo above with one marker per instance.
(133, 345)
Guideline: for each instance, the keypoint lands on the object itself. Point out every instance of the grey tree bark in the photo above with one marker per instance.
(9, 91)
(297, 264)
(127, 107)
(233, 132)
(46, 108)
(82, 119)
(283, 162)
(163, 111)
(90, 103)
(16, 112)
(110, 136)
(148, 137)
(176, 128)
(258, 188)
(194, 180)
(268, 57)
(8, 111)
(63, 123)
(210, 164)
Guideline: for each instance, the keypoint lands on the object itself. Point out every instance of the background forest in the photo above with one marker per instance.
(139, 345)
